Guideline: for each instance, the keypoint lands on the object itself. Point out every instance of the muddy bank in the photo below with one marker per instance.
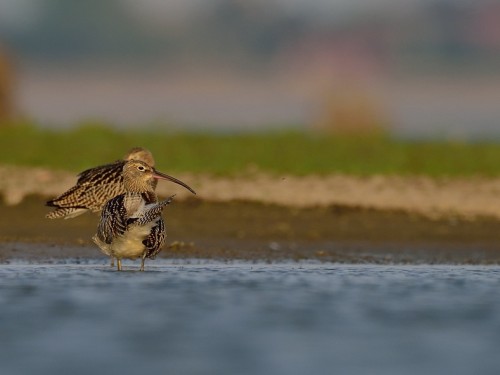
(434, 198)
(251, 231)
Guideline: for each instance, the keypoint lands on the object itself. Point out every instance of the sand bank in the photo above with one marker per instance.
(464, 197)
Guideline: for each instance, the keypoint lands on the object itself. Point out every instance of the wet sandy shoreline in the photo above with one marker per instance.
(252, 231)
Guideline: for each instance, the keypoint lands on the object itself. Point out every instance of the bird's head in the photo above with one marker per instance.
(139, 177)
(139, 153)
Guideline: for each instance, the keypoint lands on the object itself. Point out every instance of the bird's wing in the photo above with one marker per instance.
(156, 239)
(153, 211)
(68, 198)
(113, 221)
(101, 174)
(93, 189)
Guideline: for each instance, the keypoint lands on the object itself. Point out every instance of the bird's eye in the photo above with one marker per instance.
(141, 168)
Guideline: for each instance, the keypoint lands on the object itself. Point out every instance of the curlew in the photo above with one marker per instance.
(95, 187)
(131, 225)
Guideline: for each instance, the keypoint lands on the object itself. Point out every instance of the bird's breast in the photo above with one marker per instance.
(134, 203)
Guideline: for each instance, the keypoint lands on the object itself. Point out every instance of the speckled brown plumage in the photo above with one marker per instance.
(117, 219)
(96, 186)
(131, 225)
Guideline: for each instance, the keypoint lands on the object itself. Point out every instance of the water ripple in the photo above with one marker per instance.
(245, 318)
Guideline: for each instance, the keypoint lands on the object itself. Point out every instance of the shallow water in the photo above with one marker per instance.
(197, 317)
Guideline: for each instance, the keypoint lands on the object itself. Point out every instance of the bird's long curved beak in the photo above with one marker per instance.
(163, 176)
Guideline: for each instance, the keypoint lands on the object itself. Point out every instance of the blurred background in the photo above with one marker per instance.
(418, 68)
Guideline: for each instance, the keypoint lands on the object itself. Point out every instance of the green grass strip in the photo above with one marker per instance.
(296, 153)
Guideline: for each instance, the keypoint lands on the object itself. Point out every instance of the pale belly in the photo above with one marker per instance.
(129, 245)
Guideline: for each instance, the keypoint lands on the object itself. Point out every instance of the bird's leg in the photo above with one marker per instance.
(112, 262)
(119, 264)
(143, 259)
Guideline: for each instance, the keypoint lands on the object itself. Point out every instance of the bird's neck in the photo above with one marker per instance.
(134, 187)
(149, 197)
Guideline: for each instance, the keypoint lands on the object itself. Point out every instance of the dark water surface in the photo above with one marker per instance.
(199, 317)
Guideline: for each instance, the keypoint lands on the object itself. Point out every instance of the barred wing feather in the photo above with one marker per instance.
(113, 221)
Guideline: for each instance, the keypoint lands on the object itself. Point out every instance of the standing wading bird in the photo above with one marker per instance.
(95, 187)
(131, 225)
